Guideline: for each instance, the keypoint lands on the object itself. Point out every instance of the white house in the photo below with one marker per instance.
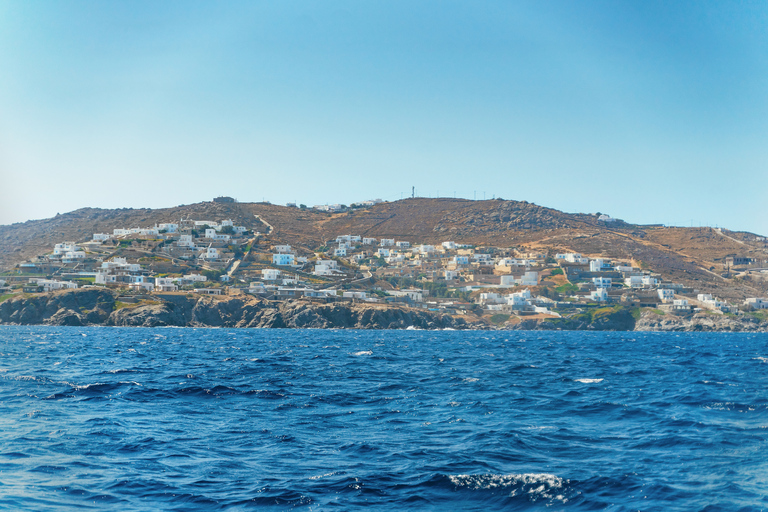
(601, 282)
(383, 253)
(521, 298)
(572, 257)
(165, 284)
(281, 248)
(326, 268)
(210, 253)
(666, 295)
(530, 278)
(270, 274)
(426, 249)
(185, 241)
(63, 248)
(168, 227)
(100, 237)
(450, 274)
(51, 285)
(354, 295)
(756, 303)
(599, 295)
(491, 298)
(283, 259)
(369, 241)
(460, 260)
(340, 251)
(412, 294)
(214, 235)
(387, 242)
(450, 246)
(680, 304)
(403, 245)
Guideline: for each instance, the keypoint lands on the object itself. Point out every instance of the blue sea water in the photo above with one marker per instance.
(214, 419)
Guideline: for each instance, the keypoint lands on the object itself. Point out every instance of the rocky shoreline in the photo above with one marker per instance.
(100, 306)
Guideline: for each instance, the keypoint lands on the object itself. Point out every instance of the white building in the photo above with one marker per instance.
(460, 260)
(165, 284)
(521, 298)
(530, 278)
(450, 275)
(212, 234)
(403, 245)
(340, 251)
(756, 303)
(666, 295)
(326, 268)
(101, 237)
(270, 274)
(449, 246)
(601, 282)
(412, 294)
(599, 295)
(210, 253)
(63, 248)
(168, 227)
(369, 241)
(50, 285)
(185, 241)
(572, 257)
(283, 259)
(281, 248)
(354, 295)
(491, 298)
(383, 253)
(387, 242)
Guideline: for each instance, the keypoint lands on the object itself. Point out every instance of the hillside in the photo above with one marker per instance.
(692, 256)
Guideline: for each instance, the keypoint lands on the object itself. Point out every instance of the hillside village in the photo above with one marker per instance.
(218, 257)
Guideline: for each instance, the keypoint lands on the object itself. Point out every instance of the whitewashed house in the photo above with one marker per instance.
(283, 259)
(756, 303)
(666, 295)
(601, 282)
(271, 274)
(50, 285)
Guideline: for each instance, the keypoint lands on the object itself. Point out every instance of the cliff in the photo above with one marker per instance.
(94, 306)
(100, 306)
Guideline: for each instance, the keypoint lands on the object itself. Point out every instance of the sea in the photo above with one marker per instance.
(139, 419)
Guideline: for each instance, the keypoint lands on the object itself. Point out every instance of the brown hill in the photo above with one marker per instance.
(695, 257)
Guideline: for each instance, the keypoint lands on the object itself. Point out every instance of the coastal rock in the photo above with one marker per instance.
(709, 322)
(66, 317)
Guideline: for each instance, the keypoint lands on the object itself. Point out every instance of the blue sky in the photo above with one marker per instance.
(654, 112)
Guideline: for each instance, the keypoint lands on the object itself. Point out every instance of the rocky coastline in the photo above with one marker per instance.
(100, 306)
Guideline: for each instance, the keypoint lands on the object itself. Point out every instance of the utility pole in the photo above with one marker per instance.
(413, 192)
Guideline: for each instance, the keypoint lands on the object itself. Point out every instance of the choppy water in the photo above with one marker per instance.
(209, 419)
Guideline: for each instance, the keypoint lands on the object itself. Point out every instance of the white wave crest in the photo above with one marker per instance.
(531, 483)
(761, 359)
(588, 381)
(363, 353)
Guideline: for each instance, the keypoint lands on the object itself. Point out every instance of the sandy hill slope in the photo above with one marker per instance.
(692, 256)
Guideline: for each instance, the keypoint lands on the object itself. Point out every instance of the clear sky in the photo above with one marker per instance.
(654, 112)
